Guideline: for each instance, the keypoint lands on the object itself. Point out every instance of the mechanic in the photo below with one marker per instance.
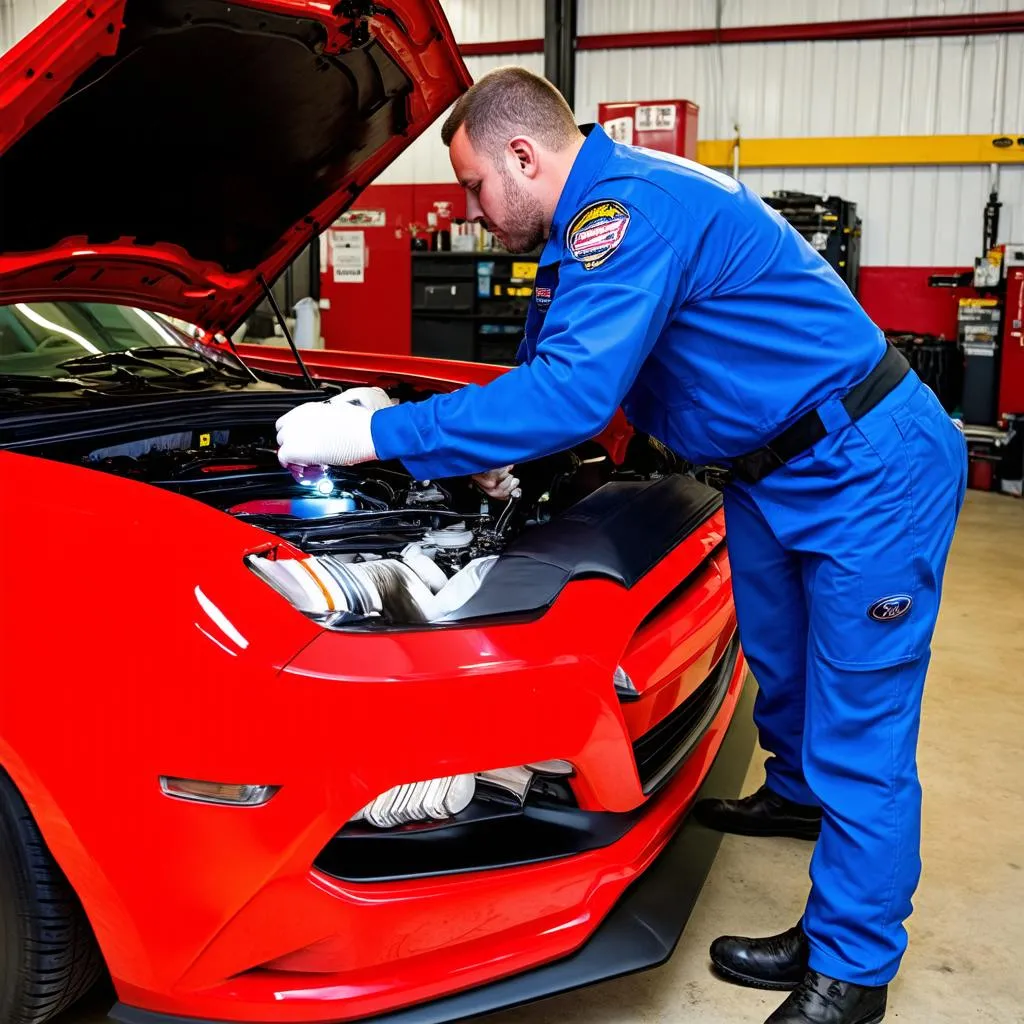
(674, 291)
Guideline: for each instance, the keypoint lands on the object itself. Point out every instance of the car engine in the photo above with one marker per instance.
(402, 550)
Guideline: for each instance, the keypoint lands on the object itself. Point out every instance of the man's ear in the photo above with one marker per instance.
(523, 152)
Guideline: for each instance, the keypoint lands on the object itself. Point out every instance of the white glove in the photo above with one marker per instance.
(331, 433)
(369, 398)
(498, 483)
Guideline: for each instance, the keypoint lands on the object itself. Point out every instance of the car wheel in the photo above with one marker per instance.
(48, 955)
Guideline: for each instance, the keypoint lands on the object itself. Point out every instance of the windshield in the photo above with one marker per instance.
(37, 338)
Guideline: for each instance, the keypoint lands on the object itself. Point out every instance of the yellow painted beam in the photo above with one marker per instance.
(866, 151)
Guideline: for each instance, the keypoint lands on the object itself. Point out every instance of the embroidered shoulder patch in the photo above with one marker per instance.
(596, 232)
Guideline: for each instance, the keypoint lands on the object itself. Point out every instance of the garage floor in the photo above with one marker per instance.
(968, 929)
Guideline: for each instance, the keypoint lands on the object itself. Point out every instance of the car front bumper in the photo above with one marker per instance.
(639, 932)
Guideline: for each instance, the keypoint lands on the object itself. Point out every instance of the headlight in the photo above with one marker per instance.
(624, 686)
(404, 591)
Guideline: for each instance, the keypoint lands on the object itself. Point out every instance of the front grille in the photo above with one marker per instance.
(661, 750)
(493, 832)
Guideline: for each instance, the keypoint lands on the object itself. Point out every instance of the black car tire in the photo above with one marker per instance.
(48, 955)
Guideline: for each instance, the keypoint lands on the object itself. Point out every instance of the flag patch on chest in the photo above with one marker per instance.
(596, 232)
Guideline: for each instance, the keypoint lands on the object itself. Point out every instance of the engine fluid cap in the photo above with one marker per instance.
(451, 537)
(315, 477)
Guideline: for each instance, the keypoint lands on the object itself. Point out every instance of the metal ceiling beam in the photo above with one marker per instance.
(873, 28)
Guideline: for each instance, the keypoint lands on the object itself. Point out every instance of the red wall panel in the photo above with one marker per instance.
(1011, 385)
(358, 318)
(425, 196)
(899, 299)
(376, 314)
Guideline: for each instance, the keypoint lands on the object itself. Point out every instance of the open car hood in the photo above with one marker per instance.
(170, 153)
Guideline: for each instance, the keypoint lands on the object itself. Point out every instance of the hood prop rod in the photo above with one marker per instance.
(241, 362)
(288, 334)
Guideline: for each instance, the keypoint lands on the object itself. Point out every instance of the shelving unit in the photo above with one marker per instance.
(470, 305)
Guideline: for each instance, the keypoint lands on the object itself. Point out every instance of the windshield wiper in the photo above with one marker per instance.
(36, 384)
(139, 357)
(36, 381)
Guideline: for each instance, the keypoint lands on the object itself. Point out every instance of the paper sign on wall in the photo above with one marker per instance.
(655, 118)
(348, 256)
(323, 252)
(619, 129)
(362, 219)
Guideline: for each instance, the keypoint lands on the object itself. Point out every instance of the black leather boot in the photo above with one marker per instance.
(822, 1000)
(777, 962)
(763, 813)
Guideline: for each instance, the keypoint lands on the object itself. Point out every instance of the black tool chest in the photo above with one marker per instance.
(939, 363)
(470, 305)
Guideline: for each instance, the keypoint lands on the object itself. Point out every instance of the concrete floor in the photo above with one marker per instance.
(966, 936)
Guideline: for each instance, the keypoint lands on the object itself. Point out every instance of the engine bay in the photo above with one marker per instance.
(372, 509)
(395, 549)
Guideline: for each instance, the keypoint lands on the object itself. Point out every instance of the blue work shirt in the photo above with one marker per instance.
(667, 288)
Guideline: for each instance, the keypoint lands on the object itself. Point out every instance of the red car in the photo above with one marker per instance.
(276, 751)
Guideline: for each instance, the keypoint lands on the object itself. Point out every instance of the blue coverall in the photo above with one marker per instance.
(674, 291)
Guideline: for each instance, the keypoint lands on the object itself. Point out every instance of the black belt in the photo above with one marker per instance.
(810, 429)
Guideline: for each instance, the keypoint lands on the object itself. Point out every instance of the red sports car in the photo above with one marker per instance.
(274, 751)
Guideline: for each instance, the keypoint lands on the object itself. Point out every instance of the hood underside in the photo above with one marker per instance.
(169, 153)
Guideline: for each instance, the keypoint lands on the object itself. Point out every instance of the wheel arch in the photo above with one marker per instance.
(112, 927)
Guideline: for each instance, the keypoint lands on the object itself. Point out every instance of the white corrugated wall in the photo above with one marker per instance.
(19, 17)
(597, 17)
(913, 216)
(475, 21)
(862, 87)
(487, 21)
(426, 160)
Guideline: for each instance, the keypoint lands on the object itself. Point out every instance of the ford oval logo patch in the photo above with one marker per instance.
(892, 607)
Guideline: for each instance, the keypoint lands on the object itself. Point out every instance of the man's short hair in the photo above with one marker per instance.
(508, 102)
